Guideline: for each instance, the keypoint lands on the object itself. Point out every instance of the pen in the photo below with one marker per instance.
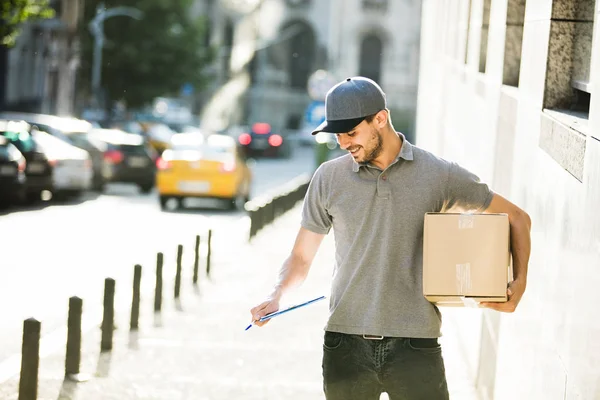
(276, 313)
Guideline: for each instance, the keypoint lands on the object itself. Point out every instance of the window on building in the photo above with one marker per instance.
(57, 6)
(208, 26)
(569, 56)
(371, 50)
(227, 48)
(515, 20)
(301, 54)
(380, 5)
(296, 3)
(485, 28)
(567, 91)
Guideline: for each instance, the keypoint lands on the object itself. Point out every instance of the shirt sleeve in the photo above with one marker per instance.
(466, 191)
(315, 217)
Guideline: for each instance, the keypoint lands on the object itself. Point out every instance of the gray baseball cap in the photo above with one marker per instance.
(349, 102)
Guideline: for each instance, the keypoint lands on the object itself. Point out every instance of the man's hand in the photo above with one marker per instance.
(515, 291)
(264, 308)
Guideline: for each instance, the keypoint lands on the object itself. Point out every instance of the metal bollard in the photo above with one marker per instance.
(271, 210)
(260, 217)
(290, 200)
(298, 194)
(159, 283)
(30, 359)
(135, 301)
(208, 253)
(73, 356)
(108, 320)
(196, 259)
(253, 211)
(277, 206)
(178, 273)
(268, 212)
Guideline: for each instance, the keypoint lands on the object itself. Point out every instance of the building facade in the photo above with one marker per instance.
(43, 64)
(511, 90)
(278, 44)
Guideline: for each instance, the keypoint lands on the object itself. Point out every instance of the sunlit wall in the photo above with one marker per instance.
(508, 89)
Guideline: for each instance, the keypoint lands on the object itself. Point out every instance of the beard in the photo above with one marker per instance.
(373, 148)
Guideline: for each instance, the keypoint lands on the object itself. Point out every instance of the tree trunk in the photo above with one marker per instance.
(3, 75)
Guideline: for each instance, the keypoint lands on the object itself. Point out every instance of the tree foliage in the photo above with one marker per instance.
(14, 12)
(151, 57)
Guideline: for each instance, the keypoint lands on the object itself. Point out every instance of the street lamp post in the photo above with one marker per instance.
(97, 28)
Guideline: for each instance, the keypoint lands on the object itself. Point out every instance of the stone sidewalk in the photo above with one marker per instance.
(198, 349)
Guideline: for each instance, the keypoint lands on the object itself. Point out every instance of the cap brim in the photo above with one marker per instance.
(340, 126)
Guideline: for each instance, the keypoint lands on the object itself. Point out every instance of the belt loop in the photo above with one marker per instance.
(372, 337)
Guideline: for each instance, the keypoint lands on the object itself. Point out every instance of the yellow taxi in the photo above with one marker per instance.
(198, 166)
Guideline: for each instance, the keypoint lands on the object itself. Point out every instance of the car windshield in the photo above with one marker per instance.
(54, 132)
(211, 146)
(50, 143)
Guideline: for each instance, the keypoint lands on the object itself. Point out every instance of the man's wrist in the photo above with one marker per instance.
(276, 293)
(520, 280)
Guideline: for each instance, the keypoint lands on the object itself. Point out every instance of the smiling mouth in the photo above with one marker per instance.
(354, 151)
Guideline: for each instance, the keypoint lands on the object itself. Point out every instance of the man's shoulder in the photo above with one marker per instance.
(429, 159)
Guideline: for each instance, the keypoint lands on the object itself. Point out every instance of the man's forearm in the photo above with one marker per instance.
(292, 273)
(520, 244)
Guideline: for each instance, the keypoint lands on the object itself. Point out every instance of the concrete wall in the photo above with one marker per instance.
(531, 148)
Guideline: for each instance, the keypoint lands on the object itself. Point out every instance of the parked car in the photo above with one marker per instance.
(199, 166)
(12, 173)
(127, 157)
(71, 166)
(260, 140)
(63, 128)
(38, 170)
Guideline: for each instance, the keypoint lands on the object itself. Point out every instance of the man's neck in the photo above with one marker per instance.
(392, 143)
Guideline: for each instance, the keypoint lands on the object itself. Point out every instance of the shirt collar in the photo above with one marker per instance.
(406, 152)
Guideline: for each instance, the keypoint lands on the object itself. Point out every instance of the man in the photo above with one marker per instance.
(382, 333)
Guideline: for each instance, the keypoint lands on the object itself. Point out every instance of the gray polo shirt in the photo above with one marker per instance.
(377, 217)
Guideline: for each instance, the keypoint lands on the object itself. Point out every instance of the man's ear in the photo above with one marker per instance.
(381, 118)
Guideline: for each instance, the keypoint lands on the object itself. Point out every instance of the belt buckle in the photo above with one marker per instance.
(372, 337)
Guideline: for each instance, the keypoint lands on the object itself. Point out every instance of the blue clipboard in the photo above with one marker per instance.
(290, 308)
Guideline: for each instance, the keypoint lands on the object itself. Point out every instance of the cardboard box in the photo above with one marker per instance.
(466, 258)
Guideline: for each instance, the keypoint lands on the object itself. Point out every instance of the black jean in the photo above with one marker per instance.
(355, 368)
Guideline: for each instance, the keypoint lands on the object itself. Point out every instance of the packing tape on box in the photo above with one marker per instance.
(466, 221)
(463, 278)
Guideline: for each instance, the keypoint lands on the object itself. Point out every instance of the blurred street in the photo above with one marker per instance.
(68, 249)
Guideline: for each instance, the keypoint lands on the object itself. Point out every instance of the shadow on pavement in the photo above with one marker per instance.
(60, 200)
(68, 390)
(123, 190)
(158, 321)
(73, 200)
(104, 363)
(134, 340)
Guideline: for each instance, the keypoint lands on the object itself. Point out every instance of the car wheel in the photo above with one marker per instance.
(146, 188)
(169, 203)
(98, 185)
